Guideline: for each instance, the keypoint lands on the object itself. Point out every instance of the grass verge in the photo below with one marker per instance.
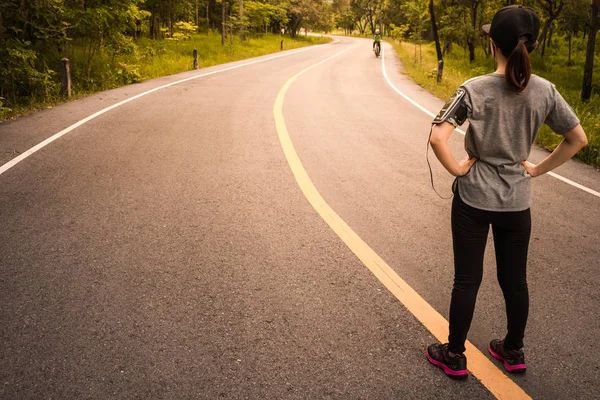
(150, 59)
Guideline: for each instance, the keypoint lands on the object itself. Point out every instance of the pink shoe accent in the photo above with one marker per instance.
(447, 370)
(507, 366)
(514, 368)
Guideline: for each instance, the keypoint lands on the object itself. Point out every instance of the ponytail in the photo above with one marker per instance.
(518, 67)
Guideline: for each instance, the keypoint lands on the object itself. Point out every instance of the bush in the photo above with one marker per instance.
(129, 73)
(3, 110)
(24, 75)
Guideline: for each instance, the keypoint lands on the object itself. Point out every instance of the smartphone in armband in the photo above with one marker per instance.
(454, 111)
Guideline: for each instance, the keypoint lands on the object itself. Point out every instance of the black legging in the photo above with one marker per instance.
(470, 227)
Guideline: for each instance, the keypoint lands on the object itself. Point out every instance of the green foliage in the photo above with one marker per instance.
(417, 15)
(184, 30)
(99, 37)
(19, 74)
(41, 32)
(345, 19)
(149, 59)
(129, 73)
(120, 45)
(574, 17)
(4, 111)
(452, 17)
(259, 16)
(398, 32)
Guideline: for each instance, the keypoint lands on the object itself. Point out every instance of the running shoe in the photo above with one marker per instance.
(455, 367)
(514, 360)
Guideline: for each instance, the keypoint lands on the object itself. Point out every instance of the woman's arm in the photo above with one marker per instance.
(574, 141)
(439, 143)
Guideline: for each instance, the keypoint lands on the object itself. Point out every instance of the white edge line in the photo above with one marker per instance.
(572, 183)
(5, 167)
(426, 111)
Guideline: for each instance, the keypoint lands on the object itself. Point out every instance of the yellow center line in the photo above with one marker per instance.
(490, 376)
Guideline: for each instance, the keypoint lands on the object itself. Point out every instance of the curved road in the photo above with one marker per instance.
(164, 248)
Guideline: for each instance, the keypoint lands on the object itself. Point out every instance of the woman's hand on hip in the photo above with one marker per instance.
(465, 165)
(530, 168)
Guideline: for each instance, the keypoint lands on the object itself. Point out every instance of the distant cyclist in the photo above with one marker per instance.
(505, 109)
(377, 41)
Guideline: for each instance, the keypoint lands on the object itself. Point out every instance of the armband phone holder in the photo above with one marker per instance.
(454, 111)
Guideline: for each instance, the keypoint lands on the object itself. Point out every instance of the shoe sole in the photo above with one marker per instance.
(452, 374)
(519, 368)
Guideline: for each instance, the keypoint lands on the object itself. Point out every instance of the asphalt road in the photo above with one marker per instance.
(164, 249)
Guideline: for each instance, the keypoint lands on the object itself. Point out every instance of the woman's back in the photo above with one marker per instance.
(502, 127)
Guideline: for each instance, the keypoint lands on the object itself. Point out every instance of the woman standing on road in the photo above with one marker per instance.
(493, 186)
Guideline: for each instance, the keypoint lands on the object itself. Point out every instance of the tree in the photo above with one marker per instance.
(586, 91)
(573, 20)
(242, 22)
(552, 9)
(296, 12)
(472, 36)
(436, 38)
(308, 13)
(450, 18)
(416, 12)
(261, 15)
(359, 15)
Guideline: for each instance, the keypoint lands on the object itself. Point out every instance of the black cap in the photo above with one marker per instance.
(510, 24)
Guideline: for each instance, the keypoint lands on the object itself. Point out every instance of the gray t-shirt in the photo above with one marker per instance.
(502, 127)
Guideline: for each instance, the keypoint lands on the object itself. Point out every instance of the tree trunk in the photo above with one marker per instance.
(471, 40)
(295, 22)
(90, 57)
(548, 41)
(230, 27)
(569, 62)
(361, 27)
(223, 23)
(1, 29)
(154, 24)
(544, 34)
(553, 14)
(471, 47)
(447, 48)
(197, 20)
(242, 34)
(586, 92)
(438, 47)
